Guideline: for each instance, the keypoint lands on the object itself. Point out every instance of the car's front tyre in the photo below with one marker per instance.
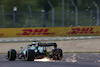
(12, 54)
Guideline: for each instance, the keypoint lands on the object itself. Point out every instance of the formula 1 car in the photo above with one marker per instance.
(31, 54)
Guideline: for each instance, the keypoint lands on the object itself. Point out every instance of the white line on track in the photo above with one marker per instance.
(48, 39)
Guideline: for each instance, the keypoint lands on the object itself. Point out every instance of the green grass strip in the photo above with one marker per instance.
(3, 53)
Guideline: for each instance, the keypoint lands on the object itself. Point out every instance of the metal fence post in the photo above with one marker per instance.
(3, 18)
(30, 13)
(53, 12)
(14, 20)
(76, 11)
(43, 17)
(91, 16)
(68, 15)
(14, 16)
(63, 12)
(98, 17)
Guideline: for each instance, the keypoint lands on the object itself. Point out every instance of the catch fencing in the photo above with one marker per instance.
(43, 19)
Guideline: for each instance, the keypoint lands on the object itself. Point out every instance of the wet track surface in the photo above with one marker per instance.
(69, 60)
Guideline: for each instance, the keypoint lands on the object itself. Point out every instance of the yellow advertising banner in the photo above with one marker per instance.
(49, 31)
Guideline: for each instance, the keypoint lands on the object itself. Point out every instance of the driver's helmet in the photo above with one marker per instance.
(35, 43)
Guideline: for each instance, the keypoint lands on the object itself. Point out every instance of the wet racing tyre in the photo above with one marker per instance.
(57, 54)
(30, 55)
(12, 54)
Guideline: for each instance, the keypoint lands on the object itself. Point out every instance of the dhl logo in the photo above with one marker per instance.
(82, 31)
(1, 34)
(36, 32)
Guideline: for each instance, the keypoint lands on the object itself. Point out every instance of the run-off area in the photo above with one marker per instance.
(86, 45)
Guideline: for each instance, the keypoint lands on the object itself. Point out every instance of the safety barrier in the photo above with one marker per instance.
(49, 31)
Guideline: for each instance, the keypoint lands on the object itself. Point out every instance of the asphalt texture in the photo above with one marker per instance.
(69, 60)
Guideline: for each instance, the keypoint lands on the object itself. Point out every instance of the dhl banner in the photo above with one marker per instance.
(49, 31)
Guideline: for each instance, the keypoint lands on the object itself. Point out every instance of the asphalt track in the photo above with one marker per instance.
(69, 60)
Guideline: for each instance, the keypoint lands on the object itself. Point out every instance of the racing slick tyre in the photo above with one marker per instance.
(30, 55)
(12, 54)
(57, 54)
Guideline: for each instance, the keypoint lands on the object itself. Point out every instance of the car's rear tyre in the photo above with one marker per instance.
(30, 55)
(12, 54)
(57, 54)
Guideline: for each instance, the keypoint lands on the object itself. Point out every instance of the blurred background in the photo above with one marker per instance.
(49, 13)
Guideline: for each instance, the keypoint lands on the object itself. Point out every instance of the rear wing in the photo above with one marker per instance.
(48, 44)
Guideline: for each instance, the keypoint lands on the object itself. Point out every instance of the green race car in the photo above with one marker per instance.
(36, 51)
